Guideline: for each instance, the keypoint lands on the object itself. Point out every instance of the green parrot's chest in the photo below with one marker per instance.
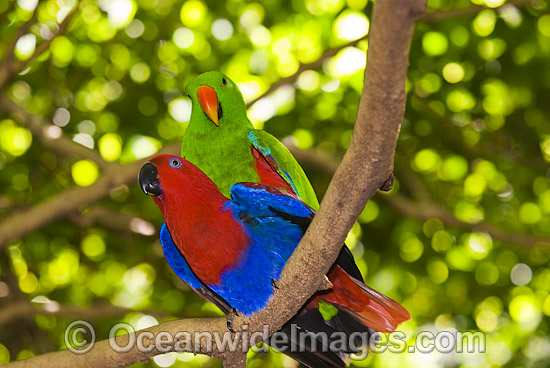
(226, 161)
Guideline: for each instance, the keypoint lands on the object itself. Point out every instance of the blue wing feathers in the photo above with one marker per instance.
(176, 260)
(247, 286)
(256, 200)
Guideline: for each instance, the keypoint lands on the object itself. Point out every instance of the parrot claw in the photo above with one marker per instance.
(235, 312)
(388, 184)
(274, 284)
(229, 323)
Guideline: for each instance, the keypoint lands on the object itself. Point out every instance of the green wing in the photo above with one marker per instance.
(288, 167)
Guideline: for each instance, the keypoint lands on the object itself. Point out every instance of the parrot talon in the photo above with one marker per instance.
(235, 312)
(229, 327)
(388, 184)
(274, 284)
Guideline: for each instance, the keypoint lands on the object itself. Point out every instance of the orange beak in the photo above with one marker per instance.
(209, 102)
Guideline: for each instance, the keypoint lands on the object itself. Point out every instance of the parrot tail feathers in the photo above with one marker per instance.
(364, 304)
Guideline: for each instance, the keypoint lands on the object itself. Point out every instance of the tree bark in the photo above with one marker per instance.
(365, 167)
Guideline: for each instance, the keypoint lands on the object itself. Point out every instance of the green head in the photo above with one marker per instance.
(217, 103)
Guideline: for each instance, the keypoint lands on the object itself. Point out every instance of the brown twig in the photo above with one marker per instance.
(423, 208)
(113, 220)
(24, 309)
(9, 56)
(439, 16)
(67, 202)
(61, 145)
(313, 65)
(424, 211)
(11, 66)
(429, 17)
(364, 169)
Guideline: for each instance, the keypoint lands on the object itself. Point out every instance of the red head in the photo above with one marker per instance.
(193, 207)
(174, 181)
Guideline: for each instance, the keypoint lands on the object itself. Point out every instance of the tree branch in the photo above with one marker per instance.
(113, 220)
(66, 146)
(429, 210)
(423, 208)
(364, 169)
(310, 66)
(24, 309)
(11, 66)
(9, 56)
(71, 200)
(60, 145)
(439, 16)
(429, 17)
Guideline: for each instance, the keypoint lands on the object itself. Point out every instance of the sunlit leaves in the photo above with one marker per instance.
(484, 23)
(93, 246)
(476, 137)
(460, 99)
(25, 46)
(442, 241)
(192, 13)
(63, 268)
(4, 354)
(14, 139)
(84, 172)
(530, 213)
(438, 271)
(110, 146)
(453, 72)
(351, 25)
(180, 109)
(453, 168)
(62, 50)
(426, 160)
(524, 309)
(222, 29)
(120, 12)
(434, 43)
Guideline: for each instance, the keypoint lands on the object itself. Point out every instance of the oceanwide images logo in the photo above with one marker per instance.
(80, 338)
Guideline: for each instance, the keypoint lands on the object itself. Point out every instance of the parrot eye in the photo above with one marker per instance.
(224, 81)
(175, 162)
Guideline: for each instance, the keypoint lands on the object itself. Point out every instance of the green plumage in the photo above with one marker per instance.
(223, 152)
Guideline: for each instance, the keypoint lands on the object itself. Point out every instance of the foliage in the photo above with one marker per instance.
(471, 163)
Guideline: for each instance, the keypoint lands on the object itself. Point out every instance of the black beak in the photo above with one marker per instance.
(148, 179)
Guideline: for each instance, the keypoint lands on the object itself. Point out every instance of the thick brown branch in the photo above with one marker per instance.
(71, 200)
(102, 355)
(364, 168)
(60, 145)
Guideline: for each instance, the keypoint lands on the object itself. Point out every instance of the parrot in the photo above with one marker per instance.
(222, 142)
(231, 251)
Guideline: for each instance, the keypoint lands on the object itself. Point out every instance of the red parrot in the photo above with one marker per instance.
(232, 252)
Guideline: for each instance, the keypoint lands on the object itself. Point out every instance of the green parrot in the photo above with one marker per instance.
(222, 142)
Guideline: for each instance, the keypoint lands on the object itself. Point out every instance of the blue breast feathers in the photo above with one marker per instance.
(176, 260)
(271, 221)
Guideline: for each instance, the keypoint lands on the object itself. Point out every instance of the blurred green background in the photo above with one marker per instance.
(462, 241)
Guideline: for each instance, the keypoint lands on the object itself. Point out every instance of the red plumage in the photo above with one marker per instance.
(217, 241)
